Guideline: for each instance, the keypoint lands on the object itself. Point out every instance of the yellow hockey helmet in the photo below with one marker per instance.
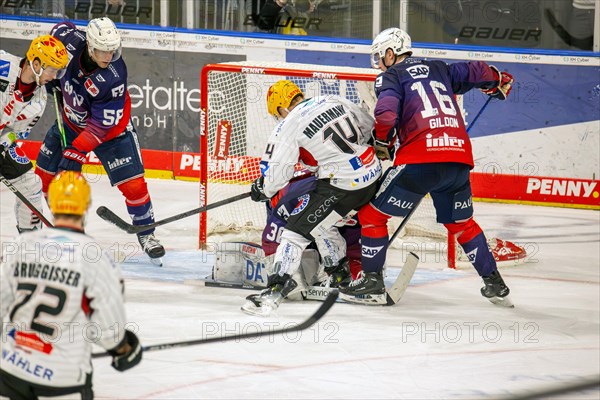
(281, 94)
(50, 51)
(69, 193)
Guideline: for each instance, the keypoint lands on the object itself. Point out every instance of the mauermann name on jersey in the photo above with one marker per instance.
(322, 119)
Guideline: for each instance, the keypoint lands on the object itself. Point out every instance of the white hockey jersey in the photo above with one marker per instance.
(329, 136)
(59, 294)
(17, 115)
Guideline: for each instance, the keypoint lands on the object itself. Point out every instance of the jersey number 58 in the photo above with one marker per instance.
(112, 117)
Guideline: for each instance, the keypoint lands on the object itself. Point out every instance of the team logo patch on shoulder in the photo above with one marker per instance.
(302, 203)
(91, 88)
(4, 68)
(3, 85)
(18, 155)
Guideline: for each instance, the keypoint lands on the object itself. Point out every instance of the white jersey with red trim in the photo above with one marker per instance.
(329, 136)
(17, 115)
(59, 294)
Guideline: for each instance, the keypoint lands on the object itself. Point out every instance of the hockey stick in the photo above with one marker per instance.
(479, 113)
(322, 310)
(25, 201)
(113, 218)
(59, 122)
(404, 222)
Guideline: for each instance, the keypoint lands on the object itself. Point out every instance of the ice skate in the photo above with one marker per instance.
(269, 299)
(337, 274)
(495, 290)
(152, 247)
(365, 283)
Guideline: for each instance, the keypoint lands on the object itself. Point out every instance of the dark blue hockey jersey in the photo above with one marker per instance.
(417, 97)
(97, 101)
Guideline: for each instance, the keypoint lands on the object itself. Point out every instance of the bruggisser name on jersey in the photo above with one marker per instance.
(48, 272)
(320, 120)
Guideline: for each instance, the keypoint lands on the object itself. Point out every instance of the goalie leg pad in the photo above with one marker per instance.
(332, 246)
(242, 262)
(289, 252)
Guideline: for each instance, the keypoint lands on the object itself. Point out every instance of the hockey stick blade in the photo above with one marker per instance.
(395, 293)
(111, 217)
(228, 285)
(389, 298)
(317, 315)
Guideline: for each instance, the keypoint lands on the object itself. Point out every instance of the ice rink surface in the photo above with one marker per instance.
(442, 341)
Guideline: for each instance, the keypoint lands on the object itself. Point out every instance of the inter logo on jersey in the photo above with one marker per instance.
(91, 88)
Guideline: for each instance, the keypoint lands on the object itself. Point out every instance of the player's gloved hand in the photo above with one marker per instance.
(505, 81)
(257, 190)
(72, 160)
(7, 139)
(127, 354)
(385, 150)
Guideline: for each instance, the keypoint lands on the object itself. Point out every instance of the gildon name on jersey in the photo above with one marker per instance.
(444, 122)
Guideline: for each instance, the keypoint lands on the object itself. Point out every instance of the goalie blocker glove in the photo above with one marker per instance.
(257, 190)
(122, 361)
(505, 81)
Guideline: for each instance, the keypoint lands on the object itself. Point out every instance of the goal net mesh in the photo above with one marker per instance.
(236, 128)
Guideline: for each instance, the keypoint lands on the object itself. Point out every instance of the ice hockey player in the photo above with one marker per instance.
(279, 209)
(22, 102)
(97, 117)
(418, 125)
(328, 135)
(51, 296)
(248, 263)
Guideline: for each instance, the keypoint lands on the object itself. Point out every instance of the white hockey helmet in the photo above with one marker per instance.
(391, 38)
(103, 36)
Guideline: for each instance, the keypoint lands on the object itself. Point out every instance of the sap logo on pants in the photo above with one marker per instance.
(401, 203)
(463, 204)
(371, 252)
(472, 255)
(254, 272)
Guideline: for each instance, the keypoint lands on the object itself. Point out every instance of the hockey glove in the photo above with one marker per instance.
(385, 150)
(7, 140)
(257, 190)
(128, 354)
(72, 160)
(505, 81)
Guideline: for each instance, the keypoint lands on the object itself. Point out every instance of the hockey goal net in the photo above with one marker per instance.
(235, 129)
